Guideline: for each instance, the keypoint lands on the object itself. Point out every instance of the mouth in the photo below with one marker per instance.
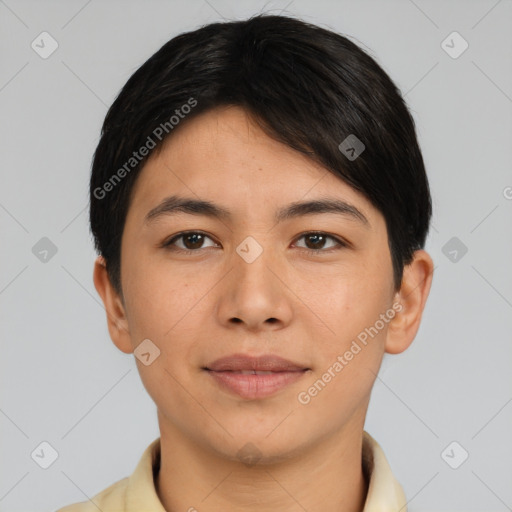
(251, 372)
(254, 378)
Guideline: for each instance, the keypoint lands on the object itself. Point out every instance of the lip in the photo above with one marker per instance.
(279, 373)
(266, 362)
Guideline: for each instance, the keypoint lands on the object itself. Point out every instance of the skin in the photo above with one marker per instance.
(199, 307)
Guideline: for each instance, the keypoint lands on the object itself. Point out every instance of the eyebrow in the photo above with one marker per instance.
(174, 204)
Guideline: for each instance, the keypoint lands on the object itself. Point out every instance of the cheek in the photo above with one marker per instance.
(157, 296)
(347, 360)
(164, 309)
(351, 306)
(170, 310)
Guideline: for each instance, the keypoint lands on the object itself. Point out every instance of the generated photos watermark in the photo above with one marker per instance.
(159, 133)
(304, 397)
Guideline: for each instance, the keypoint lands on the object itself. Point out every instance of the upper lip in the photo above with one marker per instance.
(266, 362)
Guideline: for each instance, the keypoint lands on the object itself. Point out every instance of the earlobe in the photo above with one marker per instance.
(116, 316)
(412, 297)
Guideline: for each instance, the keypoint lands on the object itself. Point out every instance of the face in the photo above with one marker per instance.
(302, 287)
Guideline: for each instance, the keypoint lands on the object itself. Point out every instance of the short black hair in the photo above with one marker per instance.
(307, 87)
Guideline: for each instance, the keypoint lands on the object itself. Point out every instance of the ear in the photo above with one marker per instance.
(116, 316)
(409, 303)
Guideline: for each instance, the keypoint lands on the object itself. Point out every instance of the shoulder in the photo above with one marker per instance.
(112, 499)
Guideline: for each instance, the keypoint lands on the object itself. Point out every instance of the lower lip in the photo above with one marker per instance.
(255, 386)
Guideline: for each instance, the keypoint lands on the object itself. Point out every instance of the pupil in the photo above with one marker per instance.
(196, 244)
(320, 237)
(198, 240)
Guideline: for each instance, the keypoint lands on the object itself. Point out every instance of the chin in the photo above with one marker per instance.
(262, 446)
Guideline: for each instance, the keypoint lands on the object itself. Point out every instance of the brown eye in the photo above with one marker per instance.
(316, 241)
(192, 241)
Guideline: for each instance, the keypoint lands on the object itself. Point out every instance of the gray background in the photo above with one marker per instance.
(62, 379)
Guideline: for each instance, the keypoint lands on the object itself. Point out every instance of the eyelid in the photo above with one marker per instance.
(169, 241)
(341, 242)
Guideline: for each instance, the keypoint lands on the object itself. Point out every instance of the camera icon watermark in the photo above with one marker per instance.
(146, 352)
(249, 454)
(44, 45)
(44, 455)
(44, 250)
(454, 249)
(352, 147)
(249, 249)
(454, 45)
(454, 455)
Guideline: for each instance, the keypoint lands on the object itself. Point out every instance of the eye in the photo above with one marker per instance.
(191, 239)
(316, 241)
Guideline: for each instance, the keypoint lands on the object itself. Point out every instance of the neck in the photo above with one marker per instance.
(327, 476)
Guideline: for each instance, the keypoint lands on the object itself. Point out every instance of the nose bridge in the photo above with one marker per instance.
(253, 265)
(256, 294)
(250, 250)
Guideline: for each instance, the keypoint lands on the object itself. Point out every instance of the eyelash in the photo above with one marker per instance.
(341, 244)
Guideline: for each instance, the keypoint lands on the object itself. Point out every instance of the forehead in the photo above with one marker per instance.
(222, 155)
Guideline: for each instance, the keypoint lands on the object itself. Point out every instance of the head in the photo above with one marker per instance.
(245, 118)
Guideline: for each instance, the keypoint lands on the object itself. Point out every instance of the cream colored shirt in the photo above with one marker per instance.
(137, 493)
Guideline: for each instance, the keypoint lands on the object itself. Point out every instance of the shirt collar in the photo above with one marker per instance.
(385, 494)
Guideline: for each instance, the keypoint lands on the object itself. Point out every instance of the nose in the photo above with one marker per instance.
(254, 295)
